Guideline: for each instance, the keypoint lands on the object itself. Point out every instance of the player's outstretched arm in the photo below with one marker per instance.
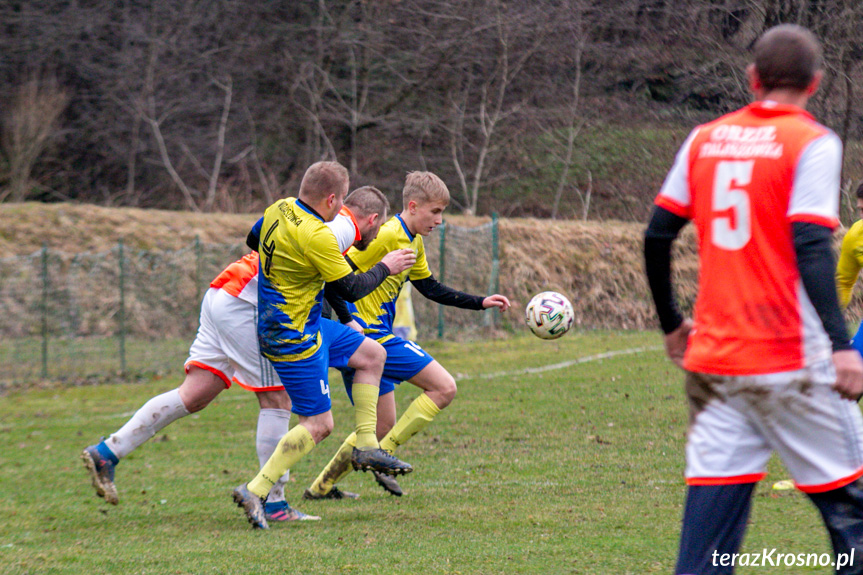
(356, 286)
(439, 293)
(501, 302)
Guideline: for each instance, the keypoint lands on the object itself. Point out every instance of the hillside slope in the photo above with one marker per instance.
(597, 264)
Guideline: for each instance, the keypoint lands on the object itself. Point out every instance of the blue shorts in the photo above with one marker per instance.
(405, 359)
(307, 380)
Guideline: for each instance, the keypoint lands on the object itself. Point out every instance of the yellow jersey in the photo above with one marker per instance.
(375, 312)
(298, 254)
(850, 262)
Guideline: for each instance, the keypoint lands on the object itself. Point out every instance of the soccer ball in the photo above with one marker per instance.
(549, 315)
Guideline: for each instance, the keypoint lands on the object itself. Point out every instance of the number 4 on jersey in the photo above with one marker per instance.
(731, 227)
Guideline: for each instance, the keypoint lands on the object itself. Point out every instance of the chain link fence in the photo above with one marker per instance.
(127, 314)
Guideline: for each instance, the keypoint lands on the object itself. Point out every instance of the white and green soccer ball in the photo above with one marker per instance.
(549, 315)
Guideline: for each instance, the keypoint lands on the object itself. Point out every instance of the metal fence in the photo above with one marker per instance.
(126, 314)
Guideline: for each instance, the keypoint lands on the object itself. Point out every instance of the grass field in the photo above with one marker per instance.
(576, 469)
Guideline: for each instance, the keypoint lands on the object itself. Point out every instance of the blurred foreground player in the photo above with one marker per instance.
(768, 360)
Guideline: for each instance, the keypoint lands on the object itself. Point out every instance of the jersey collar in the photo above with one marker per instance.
(307, 208)
(404, 227)
(769, 108)
(345, 211)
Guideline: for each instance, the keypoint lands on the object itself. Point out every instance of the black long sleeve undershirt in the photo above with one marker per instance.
(813, 245)
(439, 293)
(337, 305)
(661, 232)
(356, 286)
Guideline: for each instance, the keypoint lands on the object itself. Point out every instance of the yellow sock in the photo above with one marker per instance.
(291, 448)
(419, 414)
(366, 413)
(338, 467)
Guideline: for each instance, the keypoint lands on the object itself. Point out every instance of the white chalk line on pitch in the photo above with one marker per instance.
(561, 365)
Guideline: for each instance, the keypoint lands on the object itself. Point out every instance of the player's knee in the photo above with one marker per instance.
(444, 391)
(319, 426)
(195, 400)
(449, 389)
(372, 358)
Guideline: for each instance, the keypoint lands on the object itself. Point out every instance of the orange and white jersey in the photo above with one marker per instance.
(240, 279)
(743, 179)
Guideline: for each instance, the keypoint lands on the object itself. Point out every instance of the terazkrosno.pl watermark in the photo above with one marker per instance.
(773, 558)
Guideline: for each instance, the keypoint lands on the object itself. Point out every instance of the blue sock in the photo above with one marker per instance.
(842, 511)
(106, 452)
(714, 521)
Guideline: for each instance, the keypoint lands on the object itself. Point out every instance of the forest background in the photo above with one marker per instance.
(565, 109)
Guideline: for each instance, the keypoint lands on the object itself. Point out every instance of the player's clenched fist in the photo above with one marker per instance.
(399, 260)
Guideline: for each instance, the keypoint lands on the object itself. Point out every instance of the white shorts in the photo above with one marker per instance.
(227, 343)
(736, 422)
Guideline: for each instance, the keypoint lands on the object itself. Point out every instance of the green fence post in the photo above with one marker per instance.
(121, 262)
(44, 311)
(493, 281)
(442, 250)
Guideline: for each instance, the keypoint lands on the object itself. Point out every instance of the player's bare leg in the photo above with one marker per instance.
(198, 389)
(439, 389)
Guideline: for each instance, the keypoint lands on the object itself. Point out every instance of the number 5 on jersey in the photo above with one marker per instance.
(731, 227)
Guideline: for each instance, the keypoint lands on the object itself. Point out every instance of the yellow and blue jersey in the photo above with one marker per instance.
(299, 253)
(850, 262)
(376, 311)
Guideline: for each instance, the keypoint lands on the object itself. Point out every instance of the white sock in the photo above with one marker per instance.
(273, 424)
(153, 416)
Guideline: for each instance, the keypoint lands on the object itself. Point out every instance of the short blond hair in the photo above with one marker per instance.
(323, 179)
(424, 187)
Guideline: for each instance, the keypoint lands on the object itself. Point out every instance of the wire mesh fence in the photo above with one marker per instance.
(125, 314)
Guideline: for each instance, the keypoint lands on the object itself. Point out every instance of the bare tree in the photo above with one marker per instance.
(29, 125)
(491, 107)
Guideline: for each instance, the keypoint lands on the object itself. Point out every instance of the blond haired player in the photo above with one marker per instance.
(226, 351)
(769, 366)
(298, 255)
(425, 197)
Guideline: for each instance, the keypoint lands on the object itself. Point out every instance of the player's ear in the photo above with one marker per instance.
(331, 200)
(755, 85)
(412, 207)
(816, 81)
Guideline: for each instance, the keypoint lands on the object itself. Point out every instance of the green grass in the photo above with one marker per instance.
(574, 470)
